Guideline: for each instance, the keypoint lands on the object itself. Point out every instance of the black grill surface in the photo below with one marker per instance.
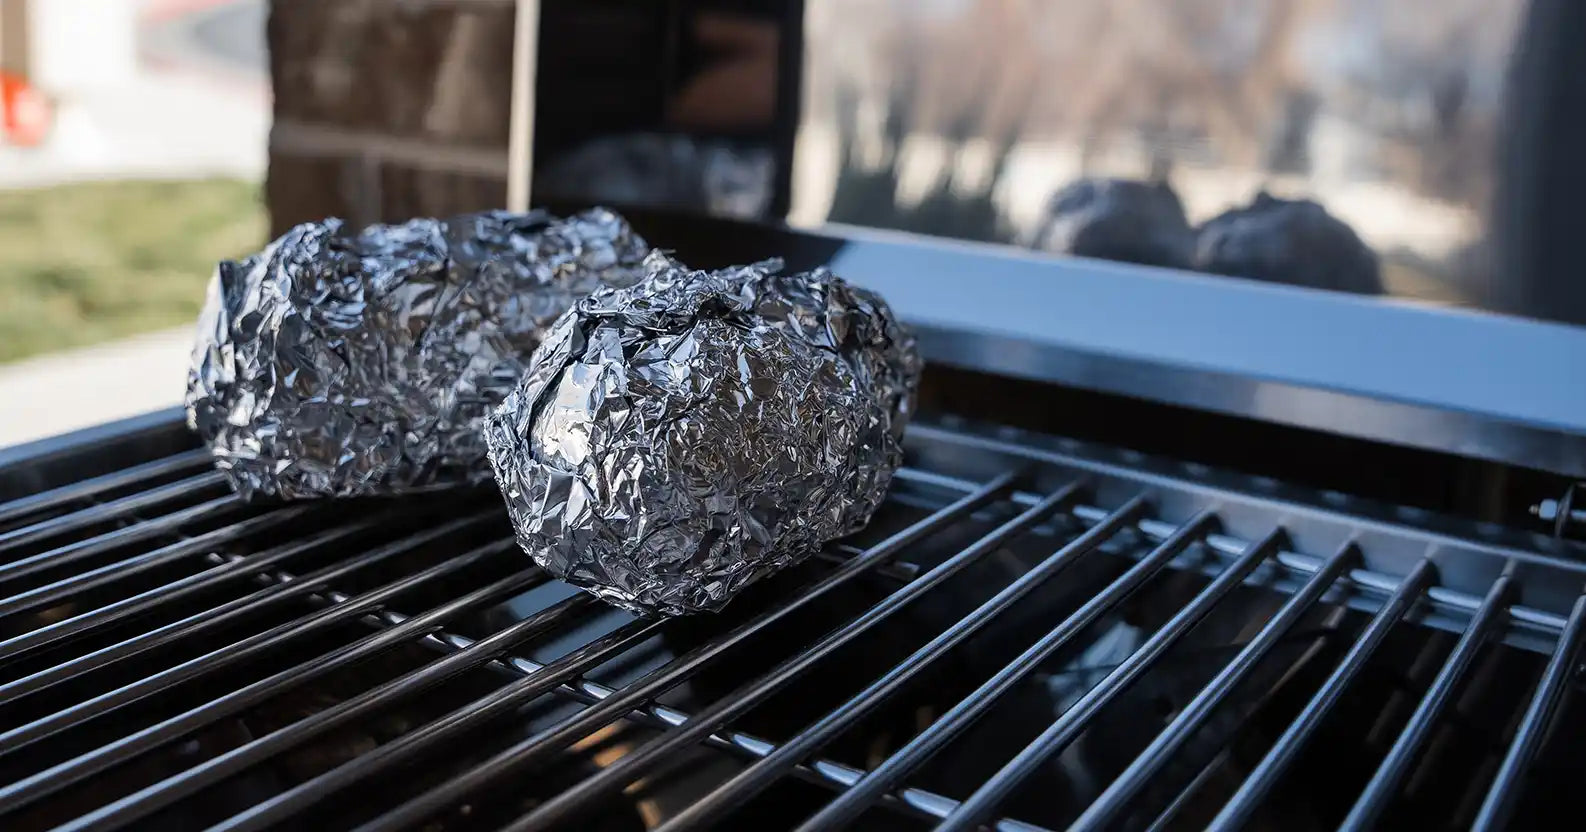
(1032, 634)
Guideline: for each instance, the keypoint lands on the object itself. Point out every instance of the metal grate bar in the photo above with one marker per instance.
(773, 766)
(1060, 733)
(226, 656)
(1165, 820)
(27, 790)
(839, 554)
(504, 700)
(1462, 601)
(1104, 810)
(654, 715)
(1539, 714)
(848, 806)
(1461, 604)
(81, 489)
(167, 791)
(1374, 800)
(110, 573)
(532, 686)
(82, 549)
(108, 511)
(919, 801)
(1458, 604)
(1301, 565)
(214, 617)
(144, 601)
(1239, 809)
(553, 739)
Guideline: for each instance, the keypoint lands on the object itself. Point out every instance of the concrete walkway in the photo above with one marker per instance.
(66, 391)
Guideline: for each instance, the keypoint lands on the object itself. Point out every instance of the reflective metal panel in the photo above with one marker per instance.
(1341, 144)
(685, 104)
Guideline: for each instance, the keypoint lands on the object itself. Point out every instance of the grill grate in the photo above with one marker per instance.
(988, 652)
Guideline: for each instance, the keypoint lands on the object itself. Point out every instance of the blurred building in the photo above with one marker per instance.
(68, 46)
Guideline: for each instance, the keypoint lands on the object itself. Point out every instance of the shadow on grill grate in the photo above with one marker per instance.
(1023, 637)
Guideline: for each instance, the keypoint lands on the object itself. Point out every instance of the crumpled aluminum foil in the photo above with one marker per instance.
(675, 441)
(342, 363)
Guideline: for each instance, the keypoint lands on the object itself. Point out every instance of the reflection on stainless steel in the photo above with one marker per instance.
(676, 171)
(342, 363)
(1116, 219)
(675, 441)
(1385, 113)
(1287, 241)
(680, 105)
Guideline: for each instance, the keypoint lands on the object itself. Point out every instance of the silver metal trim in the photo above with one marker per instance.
(1474, 384)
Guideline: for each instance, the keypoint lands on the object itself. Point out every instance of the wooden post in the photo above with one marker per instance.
(520, 141)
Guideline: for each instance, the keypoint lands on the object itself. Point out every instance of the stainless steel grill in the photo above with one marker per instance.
(1034, 633)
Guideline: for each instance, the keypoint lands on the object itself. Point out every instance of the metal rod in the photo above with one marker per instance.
(32, 788)
(141, 602)
(220, 658)
(1165, 820)
(275, 810)
(527, 751)
(756, 778)
(215, 617)
(920, 802)
(83, 549)
(1239, 809)
(1380, 790)
(158, 795)
(1441, 598)
(853, 802)
(1060, 733)
(57, 591)
(45, 500)
(1505, 789)
(1103, 812)
(840, 554)
(106, 511)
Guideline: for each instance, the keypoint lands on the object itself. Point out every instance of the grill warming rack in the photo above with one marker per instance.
(1487, 585)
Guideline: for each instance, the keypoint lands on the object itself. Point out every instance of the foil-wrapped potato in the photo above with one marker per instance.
(340, 362)
(675, 441)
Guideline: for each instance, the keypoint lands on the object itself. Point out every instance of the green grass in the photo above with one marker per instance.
(85, 263)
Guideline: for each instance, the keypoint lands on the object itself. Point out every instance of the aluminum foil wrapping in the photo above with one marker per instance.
(675, 441)
(341, 363)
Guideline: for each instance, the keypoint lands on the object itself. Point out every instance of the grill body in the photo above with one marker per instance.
(1034, 633)
(1173, 552)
